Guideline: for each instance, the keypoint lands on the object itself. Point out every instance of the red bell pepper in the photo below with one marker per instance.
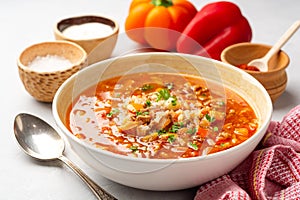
(216, 26)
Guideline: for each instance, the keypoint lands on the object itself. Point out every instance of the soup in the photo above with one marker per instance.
(161, 115)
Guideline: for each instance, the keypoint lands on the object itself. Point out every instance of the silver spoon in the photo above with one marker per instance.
(262, 63)
(39, 140)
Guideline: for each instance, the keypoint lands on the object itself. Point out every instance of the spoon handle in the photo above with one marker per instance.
(284, 38)
(100, 193)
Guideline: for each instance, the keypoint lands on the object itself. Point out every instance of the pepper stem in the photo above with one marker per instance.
(165, 3)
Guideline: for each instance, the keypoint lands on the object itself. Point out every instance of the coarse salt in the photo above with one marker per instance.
(49, 63)
(88, 31)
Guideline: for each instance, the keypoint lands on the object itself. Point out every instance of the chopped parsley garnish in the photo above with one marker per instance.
(134, 148)
(210, 118)
(174, 101)
(193, 146)
(216, 129)
(141, 113)
(175, 127)
(148, 103)
(162, 131)
(191, 131)
(117, 95)
(163, 94)
(171, 138)
(109, 114)
(221, 103)
(112, 112)
(146, 87)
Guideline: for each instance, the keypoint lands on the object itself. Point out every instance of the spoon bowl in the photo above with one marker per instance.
(40, 133)
(39, 140)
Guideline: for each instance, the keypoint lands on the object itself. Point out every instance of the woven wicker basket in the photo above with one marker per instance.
(43, 85)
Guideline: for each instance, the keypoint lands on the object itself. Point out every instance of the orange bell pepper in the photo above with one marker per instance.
(158, 23)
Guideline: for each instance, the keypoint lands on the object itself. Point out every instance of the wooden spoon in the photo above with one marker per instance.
(262, 63)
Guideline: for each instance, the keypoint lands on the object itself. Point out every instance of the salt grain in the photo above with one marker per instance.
(49, 63)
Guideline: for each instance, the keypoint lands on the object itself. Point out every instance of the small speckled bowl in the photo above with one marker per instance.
(275, 79)
(98, 48)
(42, 85)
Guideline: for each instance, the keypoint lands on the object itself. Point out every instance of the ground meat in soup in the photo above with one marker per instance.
(162, 116)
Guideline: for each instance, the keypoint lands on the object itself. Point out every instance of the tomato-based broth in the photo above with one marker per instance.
(161, 115)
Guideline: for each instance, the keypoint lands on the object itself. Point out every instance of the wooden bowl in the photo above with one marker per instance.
(42, 84)
(275, 79)
(99, 47)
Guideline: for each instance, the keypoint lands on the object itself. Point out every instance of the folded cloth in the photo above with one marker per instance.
(271, 172)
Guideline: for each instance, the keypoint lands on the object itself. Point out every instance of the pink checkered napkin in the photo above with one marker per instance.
(269, 173)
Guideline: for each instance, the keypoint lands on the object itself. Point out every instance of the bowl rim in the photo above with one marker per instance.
(115, 29)
(223, 59)
(84, 144)
(80, 61)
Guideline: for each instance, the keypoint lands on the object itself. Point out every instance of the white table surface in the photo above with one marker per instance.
(24, 23)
